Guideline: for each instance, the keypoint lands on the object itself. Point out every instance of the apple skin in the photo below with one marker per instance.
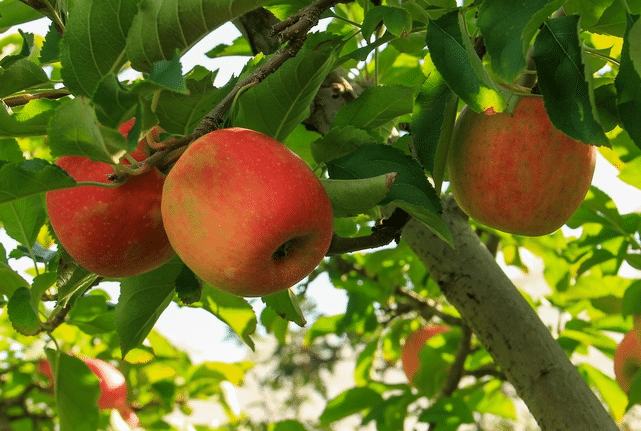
(233, 200)
(113, 387)
(113, 232)
(627, 360)
(413, 345)
(516, 172)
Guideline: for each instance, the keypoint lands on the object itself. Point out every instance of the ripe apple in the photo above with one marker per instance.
(245, 213)
(113, 232)
(413, 345)
(627, 360)
(516, 172)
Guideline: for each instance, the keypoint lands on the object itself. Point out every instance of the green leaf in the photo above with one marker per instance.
(433, 123)
(288, 425)
(188, 288)
(50, 51)
(564, 80)
(94, 42)
(159, 29)
(181, 113)
(142, 300)
(72, 279)
(633, 38)
(21, 75)
(448, 413)
(234, 310)
(397, 20)
(376, 107)
(29, 178)
(350, 402)
(455, 59)
(339, 142)
(21, 314)
(10, 280)
(10, 151)
(411, 189)
(168, 75)
(352, 197)
(608, 388)
(24, 218)
(628, 84)
(282, 100)
(31, 120)
(75, 130)
(285, 304)
(14, 12)
(632, 299)
(508, 28)
(77, 390)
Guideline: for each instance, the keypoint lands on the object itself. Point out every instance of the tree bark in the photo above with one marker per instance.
(508, 327)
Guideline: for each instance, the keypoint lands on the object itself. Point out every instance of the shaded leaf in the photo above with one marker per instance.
(285, 304)
(628, 85)
(353, 197)
(20, 180)
(564, 81)
(21, 75)
(21, 314)
(350, 402)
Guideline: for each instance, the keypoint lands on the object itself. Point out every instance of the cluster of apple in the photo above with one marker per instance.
(627, 357)
(113, 387)
(516, 172)
(239, 208)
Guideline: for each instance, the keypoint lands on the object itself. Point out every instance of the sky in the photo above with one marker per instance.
(202, 334)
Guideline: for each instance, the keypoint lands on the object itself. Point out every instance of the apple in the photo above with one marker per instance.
(113, 232)
(413, 345)
(113, 387)
(627, 360)
(516, 172)
(245, 213)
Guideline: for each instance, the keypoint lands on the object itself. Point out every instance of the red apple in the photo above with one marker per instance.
(413, 345)
(245, 213)
(627, 360)
(113, 232)
(516, 172)
(113, 387)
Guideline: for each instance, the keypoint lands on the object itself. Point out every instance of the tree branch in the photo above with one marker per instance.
(508, 327)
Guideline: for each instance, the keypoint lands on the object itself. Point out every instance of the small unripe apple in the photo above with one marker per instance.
(414, 343)
(516, 172)
(113, 232)
(627, 360)
(245, 213)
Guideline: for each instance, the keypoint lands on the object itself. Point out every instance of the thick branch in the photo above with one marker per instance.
(507, 326)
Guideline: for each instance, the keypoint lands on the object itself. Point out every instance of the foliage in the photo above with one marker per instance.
(413, 65)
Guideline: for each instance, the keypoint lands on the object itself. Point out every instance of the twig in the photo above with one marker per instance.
(426, 309)
(23, 99)
(294, 31)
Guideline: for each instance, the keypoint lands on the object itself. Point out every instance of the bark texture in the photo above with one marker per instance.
(471, 280)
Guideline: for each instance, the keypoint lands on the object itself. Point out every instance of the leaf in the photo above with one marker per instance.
(77, 390)
(75, 130)
(353, 197)
(456, 61)
(410, 191)
(287, 425)
(10, 280)
(50, 51)
(285, 304)
(10, 151)
(21, 314)
(397, 20)
(160, 28)
(633, 38)
(608, 388)
(448, 413)
(188, 288)
(564, 81)
(181, 113)
(72, 279)
(32, 120)
(94, 42)
(142, 300)
(349, 402)
(23, 218)
(338, 142)
(432, 125)
(375, 107)
(628, 84)
(234, 310)
(508, 28)
(21, 75)
(14, 12)
(282, 100)
(20, 180)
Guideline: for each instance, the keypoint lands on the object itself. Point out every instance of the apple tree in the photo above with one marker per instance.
(369, 100)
